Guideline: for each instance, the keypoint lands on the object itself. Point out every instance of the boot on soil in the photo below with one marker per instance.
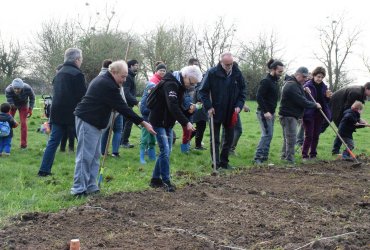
(185, 148)
(142, 156)
(156, 183)
(151, 154)
(169, 186)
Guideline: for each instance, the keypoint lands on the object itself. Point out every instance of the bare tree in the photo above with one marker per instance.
(253, 58)
(11, 60)
(214, 41)
(336, 46)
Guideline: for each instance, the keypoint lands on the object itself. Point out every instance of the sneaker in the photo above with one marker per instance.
(306, 159)
(80, 195)
(156, 183)
(127, 145)
(5, 154)
(169, 187)
(116, 155)
(43, 174)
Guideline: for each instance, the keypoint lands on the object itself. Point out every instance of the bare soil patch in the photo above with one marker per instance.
(322, 205)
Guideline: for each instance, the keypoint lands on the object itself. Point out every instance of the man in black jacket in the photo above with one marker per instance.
(69, 87)
(225, 83)
(169, 94)
(92, 117)
(130, 94)
(342, 100)
(292, 104)
(267, 98)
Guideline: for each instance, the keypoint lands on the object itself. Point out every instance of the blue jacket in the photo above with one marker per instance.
(143, 107)
(347, 124)
(227, 92)
(4, 117)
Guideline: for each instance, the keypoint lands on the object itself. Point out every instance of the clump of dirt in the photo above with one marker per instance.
(322, 205)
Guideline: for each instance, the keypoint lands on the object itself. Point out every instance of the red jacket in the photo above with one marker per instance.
(156, 78)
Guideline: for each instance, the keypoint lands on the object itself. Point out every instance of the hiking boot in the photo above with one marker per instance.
(200, 148)
(24, 147)
(127, 145)
(156, 183)
(43, 174)
(169, 187)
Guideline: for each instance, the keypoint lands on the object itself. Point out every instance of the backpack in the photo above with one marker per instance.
(4, 129)
(151, 101)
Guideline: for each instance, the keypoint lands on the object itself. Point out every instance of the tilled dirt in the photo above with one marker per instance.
(323, 205)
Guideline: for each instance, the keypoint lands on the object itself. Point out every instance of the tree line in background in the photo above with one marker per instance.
(100, 39)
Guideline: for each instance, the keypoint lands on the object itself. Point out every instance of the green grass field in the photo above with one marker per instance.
(21, 190)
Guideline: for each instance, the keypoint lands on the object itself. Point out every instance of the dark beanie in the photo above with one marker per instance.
(160, 66)
(132, 62)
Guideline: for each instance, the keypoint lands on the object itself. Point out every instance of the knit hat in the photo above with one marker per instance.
(160, 66)
(17, 83)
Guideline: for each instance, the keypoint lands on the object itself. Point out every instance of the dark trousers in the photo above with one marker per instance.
(126, 131)
(312, 130)
(222, 159)
(200, 128)
(70, 135)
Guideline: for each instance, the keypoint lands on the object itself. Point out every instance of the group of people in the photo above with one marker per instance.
(186, 96)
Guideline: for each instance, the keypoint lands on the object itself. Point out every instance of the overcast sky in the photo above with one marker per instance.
(294, 22)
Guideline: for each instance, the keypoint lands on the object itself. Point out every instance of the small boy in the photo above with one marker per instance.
(7, 123)
(350, 121)
(147, 140)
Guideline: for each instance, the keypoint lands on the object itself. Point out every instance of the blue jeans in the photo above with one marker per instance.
(162, 165)
(116, 139)
(5, 144)
(267, 131)
(57, 132)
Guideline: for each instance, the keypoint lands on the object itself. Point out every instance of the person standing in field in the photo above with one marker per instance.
(7, 123)
(267, 98)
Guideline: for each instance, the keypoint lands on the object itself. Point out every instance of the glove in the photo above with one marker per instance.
(234, 120)
(29, 112)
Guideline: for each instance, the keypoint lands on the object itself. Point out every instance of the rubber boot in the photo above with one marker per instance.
(151, 154)
(185, 148)
(142, 156)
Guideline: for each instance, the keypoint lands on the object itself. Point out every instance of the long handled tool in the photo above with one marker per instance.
(213, 146)
(101, 170)
(357, 164)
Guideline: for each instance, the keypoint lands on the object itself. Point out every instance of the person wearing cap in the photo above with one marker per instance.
(292, 105)
(68, 89)
(21, 97)
(160, 71)
(130, 94)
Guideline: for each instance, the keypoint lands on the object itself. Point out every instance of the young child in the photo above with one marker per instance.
(147, 140)
(7, 123)
(350, 121)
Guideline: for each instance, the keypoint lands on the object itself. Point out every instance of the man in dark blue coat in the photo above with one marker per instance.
(223, 93)
(69, 87)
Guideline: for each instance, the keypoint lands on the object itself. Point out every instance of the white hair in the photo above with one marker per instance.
(192, 71)
(118, 67)
(225, 54)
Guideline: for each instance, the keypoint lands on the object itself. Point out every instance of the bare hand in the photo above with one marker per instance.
(211, 112)
(190, 127)
(307, 90)
(318, 105)
(268, 115)
(246, 108)
(148, 127)
(328, 93)
(237, 110)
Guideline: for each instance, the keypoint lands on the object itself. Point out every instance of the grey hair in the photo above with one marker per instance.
(118, 67)
(225, 54)
(192, 71)
(72, 54)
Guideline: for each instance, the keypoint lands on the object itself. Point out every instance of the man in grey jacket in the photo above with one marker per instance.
(292, 104)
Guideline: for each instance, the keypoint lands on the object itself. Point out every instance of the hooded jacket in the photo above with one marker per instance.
(168, 108)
